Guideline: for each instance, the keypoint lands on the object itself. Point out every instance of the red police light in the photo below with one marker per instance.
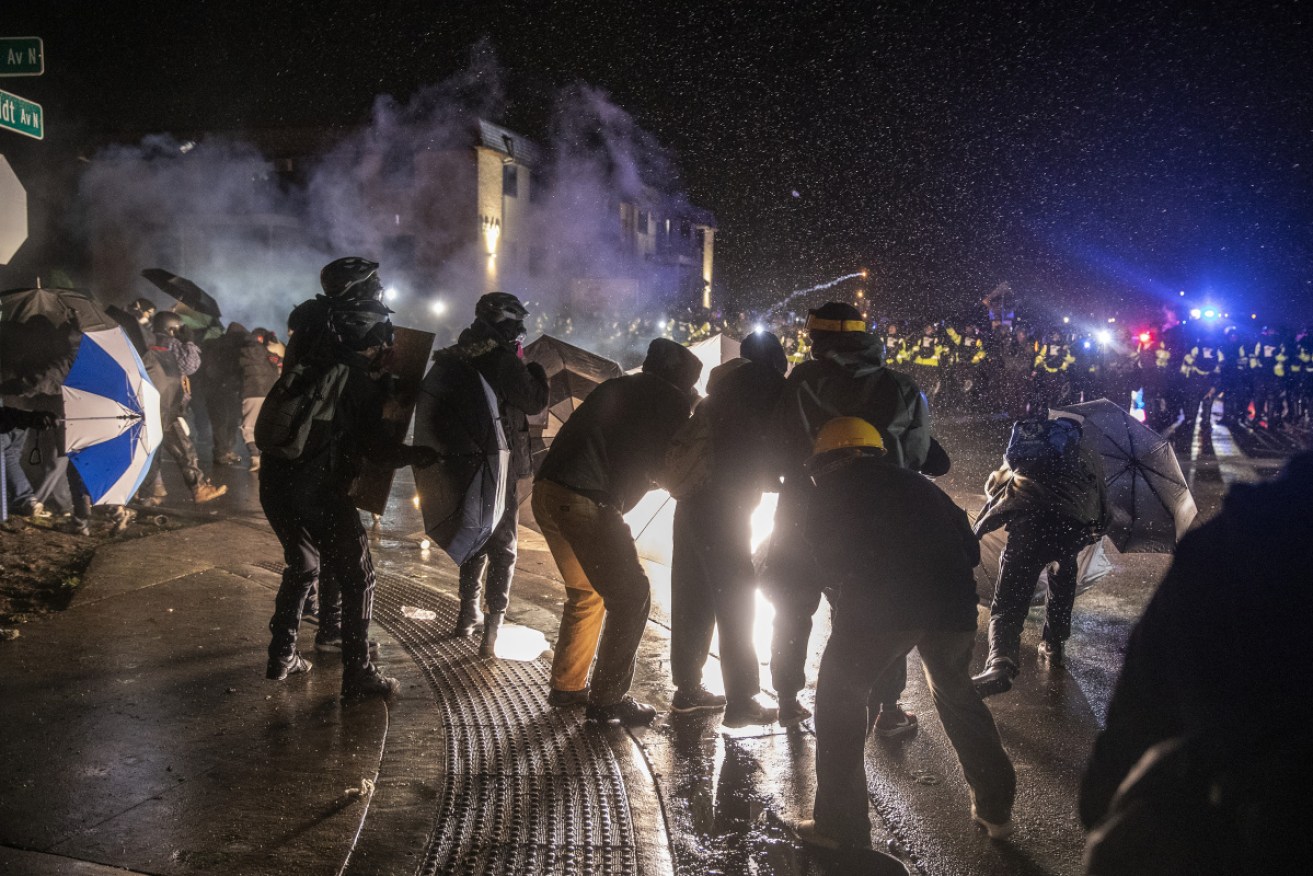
(1145, 337)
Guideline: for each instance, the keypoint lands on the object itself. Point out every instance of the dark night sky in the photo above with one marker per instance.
(1081, 151)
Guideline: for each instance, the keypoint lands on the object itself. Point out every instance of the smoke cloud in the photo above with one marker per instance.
(399, 190)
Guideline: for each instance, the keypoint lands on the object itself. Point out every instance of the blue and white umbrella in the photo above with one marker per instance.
(111, 417)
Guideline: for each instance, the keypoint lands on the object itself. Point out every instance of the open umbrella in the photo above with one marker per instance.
(1092, 564)
(1151, 502)
(184, 290)
(41, 327)
(462, 495)
(111, 417)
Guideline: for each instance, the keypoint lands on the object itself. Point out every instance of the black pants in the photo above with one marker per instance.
(794, 583)
(497, 558)
(1034, 541)
(713, 585)
(318, 527)
(223, 405)
(178, 445)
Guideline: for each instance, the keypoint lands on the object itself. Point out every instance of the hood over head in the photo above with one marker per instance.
(673, 363)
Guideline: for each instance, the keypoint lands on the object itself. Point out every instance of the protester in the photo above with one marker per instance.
(260, 368)
(15, 424)
(605, 458)
(899, 555)
(492, 345)
(222, 375)
(174, 358)
(712, 580)
(846, 377)
(336, 365)
(1207, 730)
(1050, 494)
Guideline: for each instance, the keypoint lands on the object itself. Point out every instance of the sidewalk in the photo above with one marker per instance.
(140, 733)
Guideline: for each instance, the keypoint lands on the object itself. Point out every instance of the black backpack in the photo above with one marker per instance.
(1041, 445)
(304, 395)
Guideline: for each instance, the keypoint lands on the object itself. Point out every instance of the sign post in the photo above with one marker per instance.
(22, 56)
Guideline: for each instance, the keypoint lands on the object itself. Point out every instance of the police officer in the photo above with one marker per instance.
(306, 498)
(1202, 369)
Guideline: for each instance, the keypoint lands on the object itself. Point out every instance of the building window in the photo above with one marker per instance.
(535, 187)
(510, 181)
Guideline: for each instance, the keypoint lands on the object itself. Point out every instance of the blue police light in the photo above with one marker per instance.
(1210, 313)
(1087, 345)
(1103, 336)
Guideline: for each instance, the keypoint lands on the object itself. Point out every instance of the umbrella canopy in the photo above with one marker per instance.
(184, 290)
(1091, 564)
(463, 495)
(111, 417)
(41, 328)
(1151, 502)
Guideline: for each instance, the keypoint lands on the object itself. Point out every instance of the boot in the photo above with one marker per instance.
(469, 617)
(488, 647)
(205, 491)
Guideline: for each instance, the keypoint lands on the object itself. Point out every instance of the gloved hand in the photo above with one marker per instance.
(418, 456)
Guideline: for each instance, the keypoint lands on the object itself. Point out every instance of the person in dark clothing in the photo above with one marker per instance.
(846, 377)
(492, 345)
(222, 373)
(1051, 512)
(14, 427)
(306, 499)
(899, 555)
(177, 358)
(603, 461)
(1219, 667)
(259, 367)
(712, 580)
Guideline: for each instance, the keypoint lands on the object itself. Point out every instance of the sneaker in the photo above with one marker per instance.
(806, 831)
(563, 699)
(629, 712)
(792, 713)
(34, 508)
(894, 722)
(278, 670)
(696, 699)
(75, 526)
(205, 491)
(746, 713)
(1053, 653)
(368, 684)
(997, 830)
(996, 679)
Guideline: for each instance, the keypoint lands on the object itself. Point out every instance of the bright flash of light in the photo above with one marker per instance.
(1087, 345)
(1066, 320)
(491, 233)
(758, 328)
(1103, 336)
(1144, 337)
(438, 308)
(415, 501)
(1112, 319)
(390, 293)
(1210, 313)
(662, 325)
(1195, 313)
(1182, 293)
(864, 273)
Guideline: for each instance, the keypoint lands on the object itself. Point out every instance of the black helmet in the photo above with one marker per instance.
(362, 324)
(498, 307)
(166, 322)
(351, 279)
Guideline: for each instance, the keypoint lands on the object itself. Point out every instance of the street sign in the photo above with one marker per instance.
(22, 56)
(13, 212)
(23, 116)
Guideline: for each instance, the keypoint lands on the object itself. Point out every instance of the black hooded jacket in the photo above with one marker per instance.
(612, 449)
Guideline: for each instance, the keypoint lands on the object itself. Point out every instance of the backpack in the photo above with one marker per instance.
(688, 458)
(303, 395)
(1039, 445)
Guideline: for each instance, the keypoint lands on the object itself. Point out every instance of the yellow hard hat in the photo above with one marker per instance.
(843, 432)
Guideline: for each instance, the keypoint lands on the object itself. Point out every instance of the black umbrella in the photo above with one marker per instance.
(1151, 502)
(41, 329)
(184, 290)
(463, 494)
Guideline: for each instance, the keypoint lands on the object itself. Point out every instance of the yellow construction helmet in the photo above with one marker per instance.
(845, 432)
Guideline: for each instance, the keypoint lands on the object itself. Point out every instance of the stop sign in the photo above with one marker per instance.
(13, 212)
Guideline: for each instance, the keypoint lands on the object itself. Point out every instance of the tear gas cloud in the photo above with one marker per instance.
(222, 214)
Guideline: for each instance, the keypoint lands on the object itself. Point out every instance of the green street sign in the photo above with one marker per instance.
(22, 56)
(23, 116)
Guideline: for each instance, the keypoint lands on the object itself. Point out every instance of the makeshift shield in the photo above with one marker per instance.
(463, 495)
(111, 417)
(1150, 500)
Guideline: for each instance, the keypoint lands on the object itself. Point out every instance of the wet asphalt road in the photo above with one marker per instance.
(722, 791)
